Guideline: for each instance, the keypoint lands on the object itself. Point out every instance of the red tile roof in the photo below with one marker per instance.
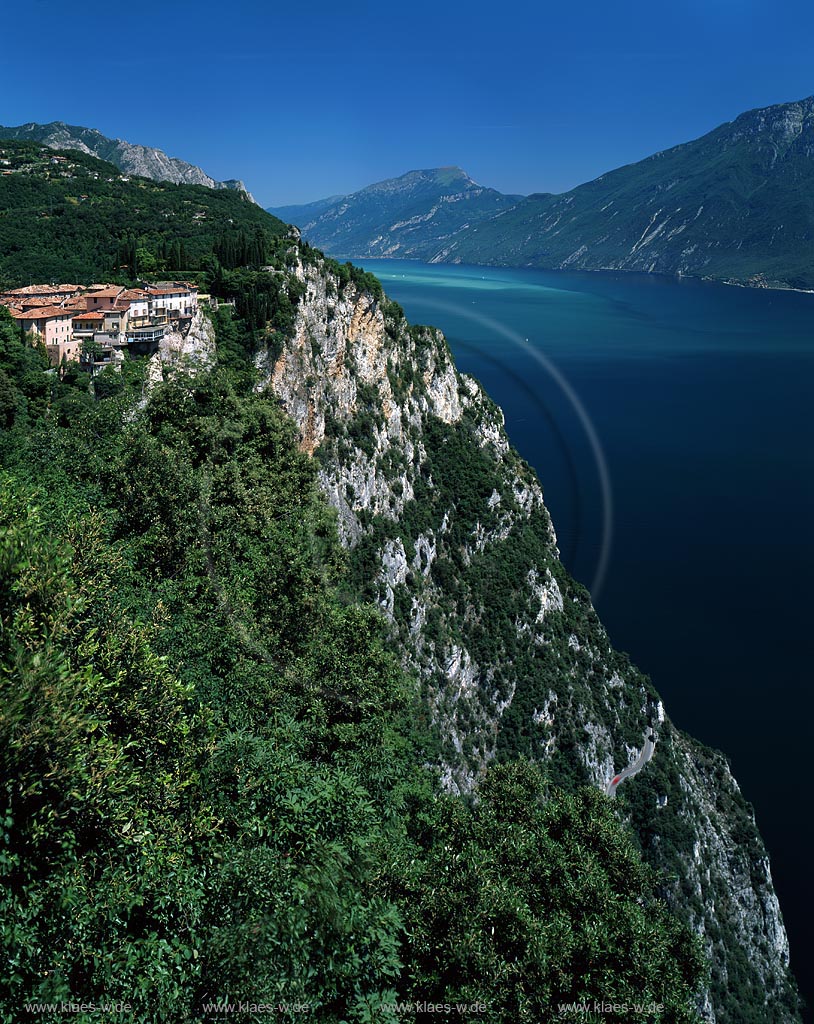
(44, 313)
(106, 293)
(43, 289)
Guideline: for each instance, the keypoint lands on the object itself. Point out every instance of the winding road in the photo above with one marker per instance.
(636, 767)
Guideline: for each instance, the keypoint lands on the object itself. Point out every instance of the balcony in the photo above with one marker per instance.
(151, 333)
(145, 340)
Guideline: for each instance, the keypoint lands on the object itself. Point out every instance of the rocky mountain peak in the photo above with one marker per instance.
(782, 122)
(407, 216)
(131, 158)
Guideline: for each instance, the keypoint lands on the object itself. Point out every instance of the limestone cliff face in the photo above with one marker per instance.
(192, 347)
(447, 531)
(339, 367)
(342, 377)
(187, 350)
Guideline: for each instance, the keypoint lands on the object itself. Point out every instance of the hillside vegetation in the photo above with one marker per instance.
(256, 745)
(737, 204)
(80, 219)
(215, 782)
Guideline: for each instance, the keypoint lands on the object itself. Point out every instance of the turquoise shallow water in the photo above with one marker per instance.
(700, 396)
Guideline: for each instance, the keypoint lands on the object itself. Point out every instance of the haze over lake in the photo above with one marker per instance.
(700, 395)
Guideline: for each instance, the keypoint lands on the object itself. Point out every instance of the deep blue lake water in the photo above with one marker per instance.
(701, 397)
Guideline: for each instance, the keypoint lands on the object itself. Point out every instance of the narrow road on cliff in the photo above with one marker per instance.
(636, 767)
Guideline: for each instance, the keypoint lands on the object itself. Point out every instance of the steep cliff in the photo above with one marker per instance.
(447, 529)
(186, 350)
(191, 346)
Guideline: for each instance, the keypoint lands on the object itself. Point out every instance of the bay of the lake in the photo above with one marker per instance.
(700, 396)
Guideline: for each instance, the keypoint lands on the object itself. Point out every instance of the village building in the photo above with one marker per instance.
(53, 326)
(115, 321)
(65, 317)
(85, 325)
(103, 298)
(76, 303)
(178, 299)
(138, 302)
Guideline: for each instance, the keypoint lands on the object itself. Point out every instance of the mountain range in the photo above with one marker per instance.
(144, 161)
(411, 217)
(736, 205)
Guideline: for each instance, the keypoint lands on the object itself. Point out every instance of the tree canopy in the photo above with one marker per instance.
(215, 782)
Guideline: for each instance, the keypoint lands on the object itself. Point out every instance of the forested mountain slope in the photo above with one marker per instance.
(221, 692)
(80, 219)
(736, 204)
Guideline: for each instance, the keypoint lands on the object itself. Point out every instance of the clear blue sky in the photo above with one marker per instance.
(303, 101)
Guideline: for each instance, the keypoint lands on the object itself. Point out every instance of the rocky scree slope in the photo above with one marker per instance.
(144, 161)
(447, 529)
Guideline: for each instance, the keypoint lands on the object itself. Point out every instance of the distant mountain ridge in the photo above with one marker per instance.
(305, 213)
(411, 216)
(129, 157)
(735, 205)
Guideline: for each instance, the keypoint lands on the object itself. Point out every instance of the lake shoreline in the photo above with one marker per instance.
(777, 286)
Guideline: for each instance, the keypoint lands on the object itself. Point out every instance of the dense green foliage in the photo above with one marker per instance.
(262, 300)
(524, 897)
(213, 768)
(349, 273)
(80, 219)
